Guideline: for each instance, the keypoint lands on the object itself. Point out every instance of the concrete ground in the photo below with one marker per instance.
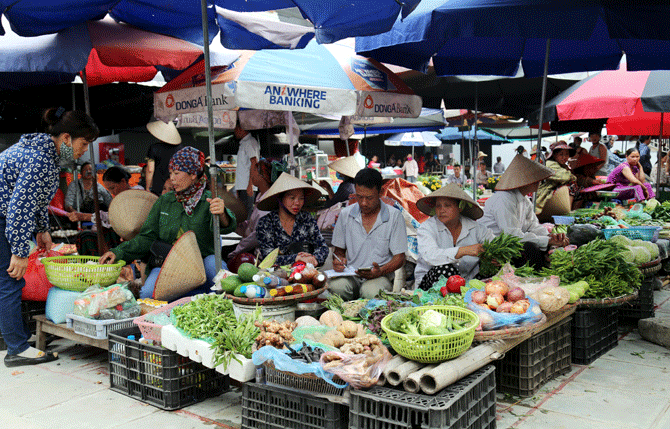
(627, 388)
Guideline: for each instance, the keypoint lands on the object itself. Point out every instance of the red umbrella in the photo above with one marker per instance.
(632, 103)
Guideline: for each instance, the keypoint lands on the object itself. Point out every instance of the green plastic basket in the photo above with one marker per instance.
(435, 348)
(75, 274)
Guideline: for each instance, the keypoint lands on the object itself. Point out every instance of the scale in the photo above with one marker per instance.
(607, 197)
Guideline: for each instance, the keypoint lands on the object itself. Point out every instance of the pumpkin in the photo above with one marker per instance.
(331, 318)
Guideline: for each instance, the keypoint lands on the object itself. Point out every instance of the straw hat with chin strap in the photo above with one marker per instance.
(347, 166)
(452, 190)
(129, 210)
(182, 271)
(284, 183)
(521, 172)
(167, 133)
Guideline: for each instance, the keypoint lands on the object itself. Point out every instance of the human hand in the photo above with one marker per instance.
(216, 206)
(472, 250)
(558, 240)
(307, 258)
(17, 267)
(73, 216)
(339, 263)
(373, 273)
(43, 240)
(107, 258)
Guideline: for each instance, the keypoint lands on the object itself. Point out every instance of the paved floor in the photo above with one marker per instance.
(627, 388)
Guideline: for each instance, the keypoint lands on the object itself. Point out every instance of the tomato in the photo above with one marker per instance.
(454, 284)
(444, 291)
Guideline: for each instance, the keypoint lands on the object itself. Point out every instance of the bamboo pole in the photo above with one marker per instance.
(412, 382)
(400, 373)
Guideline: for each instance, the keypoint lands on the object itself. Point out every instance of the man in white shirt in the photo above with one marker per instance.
(499, 167)
(511, 212)
(457, 178)
(370, 238)
(247, 157)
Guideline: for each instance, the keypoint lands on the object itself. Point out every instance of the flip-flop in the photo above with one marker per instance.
(16, 360)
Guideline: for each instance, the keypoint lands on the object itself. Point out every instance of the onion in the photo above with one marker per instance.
(497, 287)
(505, 307)
(486, 320)
(516, 294)
(478, 296)
(524, 303)
(494, 300)
(517, 308)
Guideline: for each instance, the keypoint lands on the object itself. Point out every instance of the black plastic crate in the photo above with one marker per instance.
(272, 407)
(540, 358)
(594, 332)
(28, 310)
(642, 307)
(159, 376)
(469, 403)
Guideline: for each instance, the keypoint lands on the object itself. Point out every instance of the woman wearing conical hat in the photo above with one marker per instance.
(287, 227)
(509, 209)
(346, 169)
(562, 177)
(450, 241)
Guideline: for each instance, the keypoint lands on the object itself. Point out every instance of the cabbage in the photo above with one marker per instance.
(431, 319)
(621, 239)
(642, 255)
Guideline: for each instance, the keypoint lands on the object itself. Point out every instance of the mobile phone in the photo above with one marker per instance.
(365, 269)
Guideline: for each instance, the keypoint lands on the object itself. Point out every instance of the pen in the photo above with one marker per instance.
(338, 258)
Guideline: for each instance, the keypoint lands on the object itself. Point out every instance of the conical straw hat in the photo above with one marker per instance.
(452, 190)
(167, 133)
(347, 166)
(521, 172)
(182, 271)
(557, 205)
(129, 210)
(284, 183)
(586, 159)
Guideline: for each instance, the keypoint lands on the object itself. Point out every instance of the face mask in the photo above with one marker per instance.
(339, 177)
(66, 153)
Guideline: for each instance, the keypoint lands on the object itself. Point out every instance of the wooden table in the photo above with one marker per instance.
(45, 326)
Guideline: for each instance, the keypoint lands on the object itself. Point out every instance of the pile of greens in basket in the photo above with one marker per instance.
(601, 264)
(212, 319)
(501, 249)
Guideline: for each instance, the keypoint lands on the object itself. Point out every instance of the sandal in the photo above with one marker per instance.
(16, 360)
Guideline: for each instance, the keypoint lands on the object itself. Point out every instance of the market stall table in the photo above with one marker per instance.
(45, 326)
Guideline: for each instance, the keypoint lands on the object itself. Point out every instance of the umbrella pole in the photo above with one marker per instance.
(658, 156)
(210, 133)
(475, 150)
(102, 246)
(538, 154)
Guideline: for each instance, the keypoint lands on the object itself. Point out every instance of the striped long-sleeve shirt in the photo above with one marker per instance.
(29, 173)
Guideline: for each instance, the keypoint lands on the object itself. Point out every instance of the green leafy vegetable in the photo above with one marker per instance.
(501, 249)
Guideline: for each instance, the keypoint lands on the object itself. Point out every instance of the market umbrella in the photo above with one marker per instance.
(421, 138)
(271, 24)
(493, 37)
(319, 79)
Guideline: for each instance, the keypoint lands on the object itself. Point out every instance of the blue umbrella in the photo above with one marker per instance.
(422, 138)
(271, 24)
(492, 37)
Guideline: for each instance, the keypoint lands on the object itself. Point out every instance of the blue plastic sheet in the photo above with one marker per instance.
(283, 362)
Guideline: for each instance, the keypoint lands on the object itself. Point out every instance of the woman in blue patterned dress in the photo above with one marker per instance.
(294, 232)
(29, 172)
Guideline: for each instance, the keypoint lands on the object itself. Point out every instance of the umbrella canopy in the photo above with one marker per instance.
(493, 37)
(423, 138)
(318, 79)
(271, 24)
(628, 101)
(109, 51)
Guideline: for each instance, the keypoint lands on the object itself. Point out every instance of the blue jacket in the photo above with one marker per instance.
(29, 173)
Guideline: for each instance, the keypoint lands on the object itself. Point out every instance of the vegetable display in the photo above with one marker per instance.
(501, 249)
(601, 264)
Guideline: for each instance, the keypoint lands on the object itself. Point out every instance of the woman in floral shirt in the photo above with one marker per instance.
(29, 173)
(287, 226)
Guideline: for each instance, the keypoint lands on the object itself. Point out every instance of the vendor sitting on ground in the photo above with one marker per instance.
(293, 231)
(190, 207)
(345, 170)
(629, 178)
(558, 162)
(370, 238)
(450, 241)
(509, 210)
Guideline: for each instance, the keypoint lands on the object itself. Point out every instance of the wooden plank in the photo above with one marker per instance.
(45, 326)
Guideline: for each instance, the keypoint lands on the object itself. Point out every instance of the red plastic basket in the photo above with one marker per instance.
(152, 331)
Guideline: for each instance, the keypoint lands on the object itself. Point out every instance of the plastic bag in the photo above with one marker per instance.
(310, 335)
(94, 299)
(490, 319)
(530, 285)
(283, 362)
(360, 370)
(37, 284)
